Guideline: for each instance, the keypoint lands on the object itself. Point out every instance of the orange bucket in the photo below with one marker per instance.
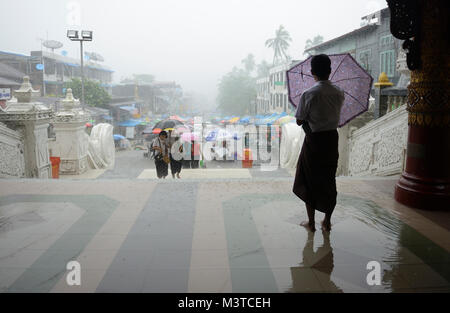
(247, 162)
(55, 161)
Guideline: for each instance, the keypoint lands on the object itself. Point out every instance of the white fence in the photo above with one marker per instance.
(12, 163)
(379, 147)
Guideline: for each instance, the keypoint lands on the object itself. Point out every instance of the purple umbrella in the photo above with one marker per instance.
(346, 73)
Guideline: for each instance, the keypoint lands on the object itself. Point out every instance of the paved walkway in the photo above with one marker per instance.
(214, 235)
(132, 164)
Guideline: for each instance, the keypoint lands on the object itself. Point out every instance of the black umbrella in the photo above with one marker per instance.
(148, 130)
(167, 124)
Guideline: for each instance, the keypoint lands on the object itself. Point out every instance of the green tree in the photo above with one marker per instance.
(141, 79)
(279, 44)
(94, 94)
(237, 90)
(314, 42)
(249, 63)
(262, 69)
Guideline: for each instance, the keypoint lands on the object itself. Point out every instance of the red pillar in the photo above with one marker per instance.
(425, 183)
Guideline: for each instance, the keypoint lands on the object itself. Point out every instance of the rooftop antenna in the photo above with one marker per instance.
(52, 44)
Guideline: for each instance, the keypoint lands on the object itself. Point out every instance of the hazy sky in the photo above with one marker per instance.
(192, 42)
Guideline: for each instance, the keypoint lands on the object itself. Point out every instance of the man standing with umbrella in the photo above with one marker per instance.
(319, 113)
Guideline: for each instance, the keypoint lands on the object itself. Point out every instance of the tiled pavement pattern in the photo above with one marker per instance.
(214, 235)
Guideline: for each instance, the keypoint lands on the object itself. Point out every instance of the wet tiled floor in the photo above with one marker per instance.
(214, 235)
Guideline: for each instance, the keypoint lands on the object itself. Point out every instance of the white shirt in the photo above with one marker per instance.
(157, 142)
(321, 106)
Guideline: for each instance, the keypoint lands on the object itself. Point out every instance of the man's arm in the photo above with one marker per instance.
(302, 111)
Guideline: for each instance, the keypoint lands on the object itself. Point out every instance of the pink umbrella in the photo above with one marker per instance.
(182, 129)
(189, 136)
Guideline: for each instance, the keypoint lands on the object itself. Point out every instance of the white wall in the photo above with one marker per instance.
(12, 162)
(379, 147)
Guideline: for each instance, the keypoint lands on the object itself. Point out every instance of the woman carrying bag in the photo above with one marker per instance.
(162, 160)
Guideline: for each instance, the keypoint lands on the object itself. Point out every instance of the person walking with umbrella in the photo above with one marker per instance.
(162, 160)
(176, 160)
(319, 113)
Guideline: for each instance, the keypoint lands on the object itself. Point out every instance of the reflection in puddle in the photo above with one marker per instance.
(365, 232)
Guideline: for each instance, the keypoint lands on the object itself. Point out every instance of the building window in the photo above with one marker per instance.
(387, 62)
(386, 40)
(364, 59)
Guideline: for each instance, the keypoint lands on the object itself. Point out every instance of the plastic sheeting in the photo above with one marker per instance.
(292, 137)
(101, 148)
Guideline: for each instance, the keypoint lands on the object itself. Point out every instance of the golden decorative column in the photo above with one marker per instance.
(425, 184)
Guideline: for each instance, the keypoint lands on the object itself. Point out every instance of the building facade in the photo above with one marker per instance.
(272, 91)
(49, 71)
(60, 69)
(372, 45)
(262, 95)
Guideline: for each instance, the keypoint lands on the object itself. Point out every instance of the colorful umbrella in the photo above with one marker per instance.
(346, 73)
(156, 130)
(221, 134)
(88, 125)
(189, 136)
(176, 117)
(181, 129)
(284, 120)
(244, 120)
(118, 137)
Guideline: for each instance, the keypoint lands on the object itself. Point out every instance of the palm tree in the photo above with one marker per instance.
(311, 43)
(279, 44)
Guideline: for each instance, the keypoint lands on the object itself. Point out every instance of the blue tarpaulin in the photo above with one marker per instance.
(128, 108)
(244, 120)
(118, 137)
(130, 123)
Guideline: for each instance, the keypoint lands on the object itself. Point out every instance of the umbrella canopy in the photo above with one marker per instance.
(284, 120)
(168, 124)
(156, 130)
(234, 120)
(88, 125)
(346, 73)
(130, 123)
(118, 137)
(182, 129)
(221, 134)
(176, 117)
(148, 129)
(244, 120)
(190, 136)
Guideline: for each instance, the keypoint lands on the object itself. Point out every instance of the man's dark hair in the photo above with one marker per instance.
(163, 133)
(321, 66)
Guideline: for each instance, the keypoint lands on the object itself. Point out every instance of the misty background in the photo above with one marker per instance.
(191, 42)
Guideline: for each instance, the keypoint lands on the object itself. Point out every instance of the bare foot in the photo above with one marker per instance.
(178, 175)
(326, 225)
(309, 226)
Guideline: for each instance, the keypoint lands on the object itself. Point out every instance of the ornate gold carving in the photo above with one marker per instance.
(428, 92)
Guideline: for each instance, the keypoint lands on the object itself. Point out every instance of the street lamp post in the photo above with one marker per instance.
(86, 35)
